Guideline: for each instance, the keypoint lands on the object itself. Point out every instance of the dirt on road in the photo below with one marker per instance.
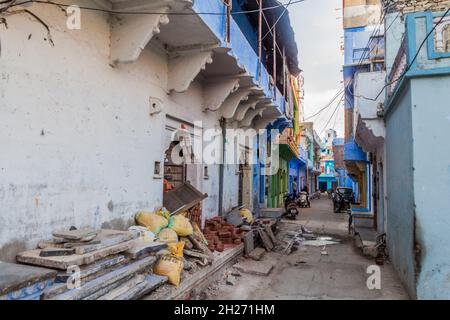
(326, 270)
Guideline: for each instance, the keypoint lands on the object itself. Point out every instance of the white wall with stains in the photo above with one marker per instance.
(77, 142)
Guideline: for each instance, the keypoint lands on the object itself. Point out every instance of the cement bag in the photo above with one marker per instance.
(163, 212)
(246, 214)
(167, 235)
(176, 248)
(143, 232)
(181, 225)
(171, 265)
(152, 221)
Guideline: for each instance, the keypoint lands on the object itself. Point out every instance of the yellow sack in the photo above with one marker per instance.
(176, 249)
(247, 214)
(181, 225)
(152, 221)
(163, 212)
(167, 235)
(171, 265)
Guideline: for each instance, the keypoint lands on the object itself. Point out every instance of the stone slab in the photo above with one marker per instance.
(260, 268)
(56, 252)
(107, 280)
(266, 240)
(249, 242)
(110, 287)
(76, 234)
(93, 268)
(123, 288)
(14, 277)
(107, 239)
(141, 248)
(269, 232)
(151, 283)
(257, 254)
(32, 257)
(93, 273)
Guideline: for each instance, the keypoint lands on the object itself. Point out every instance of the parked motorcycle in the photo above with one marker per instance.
(342, 199)
(302, 201)
(290, 206)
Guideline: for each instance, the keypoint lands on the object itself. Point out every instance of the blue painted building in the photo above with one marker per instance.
(327, 179)
(417, 117)
(360, 25)
(269, 184)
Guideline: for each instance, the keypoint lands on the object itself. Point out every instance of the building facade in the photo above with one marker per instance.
(416, 114)
(363, 55)
(96, 117)
(327, 179)
(311, 143)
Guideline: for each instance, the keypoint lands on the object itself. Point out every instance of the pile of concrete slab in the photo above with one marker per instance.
(96, 265)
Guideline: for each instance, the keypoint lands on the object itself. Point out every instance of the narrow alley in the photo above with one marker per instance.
(200, 150)
(306, 273)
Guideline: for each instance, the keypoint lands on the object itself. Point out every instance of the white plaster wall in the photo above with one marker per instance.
(369, 85)
(77, 143)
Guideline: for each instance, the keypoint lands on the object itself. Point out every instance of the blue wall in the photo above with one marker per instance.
(418, 167)
(431, 159)
(400, 201)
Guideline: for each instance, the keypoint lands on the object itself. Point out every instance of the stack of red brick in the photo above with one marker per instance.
(222, 235)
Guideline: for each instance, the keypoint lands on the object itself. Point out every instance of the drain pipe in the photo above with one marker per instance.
(223, 127)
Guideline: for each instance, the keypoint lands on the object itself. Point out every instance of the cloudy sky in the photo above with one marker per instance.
(318, 33)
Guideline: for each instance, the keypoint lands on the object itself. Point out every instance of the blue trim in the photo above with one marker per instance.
(241, 48)
(411, 38)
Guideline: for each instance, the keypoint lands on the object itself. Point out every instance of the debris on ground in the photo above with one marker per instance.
(231, 280)
(261, 268)
(257, 254)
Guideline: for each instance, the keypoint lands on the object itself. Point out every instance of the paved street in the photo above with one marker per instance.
(307, 274)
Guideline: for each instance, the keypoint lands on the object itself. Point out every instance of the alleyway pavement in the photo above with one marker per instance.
(337, 271)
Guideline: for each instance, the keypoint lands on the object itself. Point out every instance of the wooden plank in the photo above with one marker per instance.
(110, 287)
(151, 283)
(106, 280)
(59, 288)
(76, 234)
(249, 242)
(14, 277)
(56, 252)
(49, 244)
(198, 278)
(79, 244)
(91, 269)
(268, 230)
(141, 248)
(267, 243)
(123, 288)
(107, 238)
(62, 263)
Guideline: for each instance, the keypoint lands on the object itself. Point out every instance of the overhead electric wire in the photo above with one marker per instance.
(329, 119)
(278, 19)
(412, 61)
(338, 94)
(148, 12)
